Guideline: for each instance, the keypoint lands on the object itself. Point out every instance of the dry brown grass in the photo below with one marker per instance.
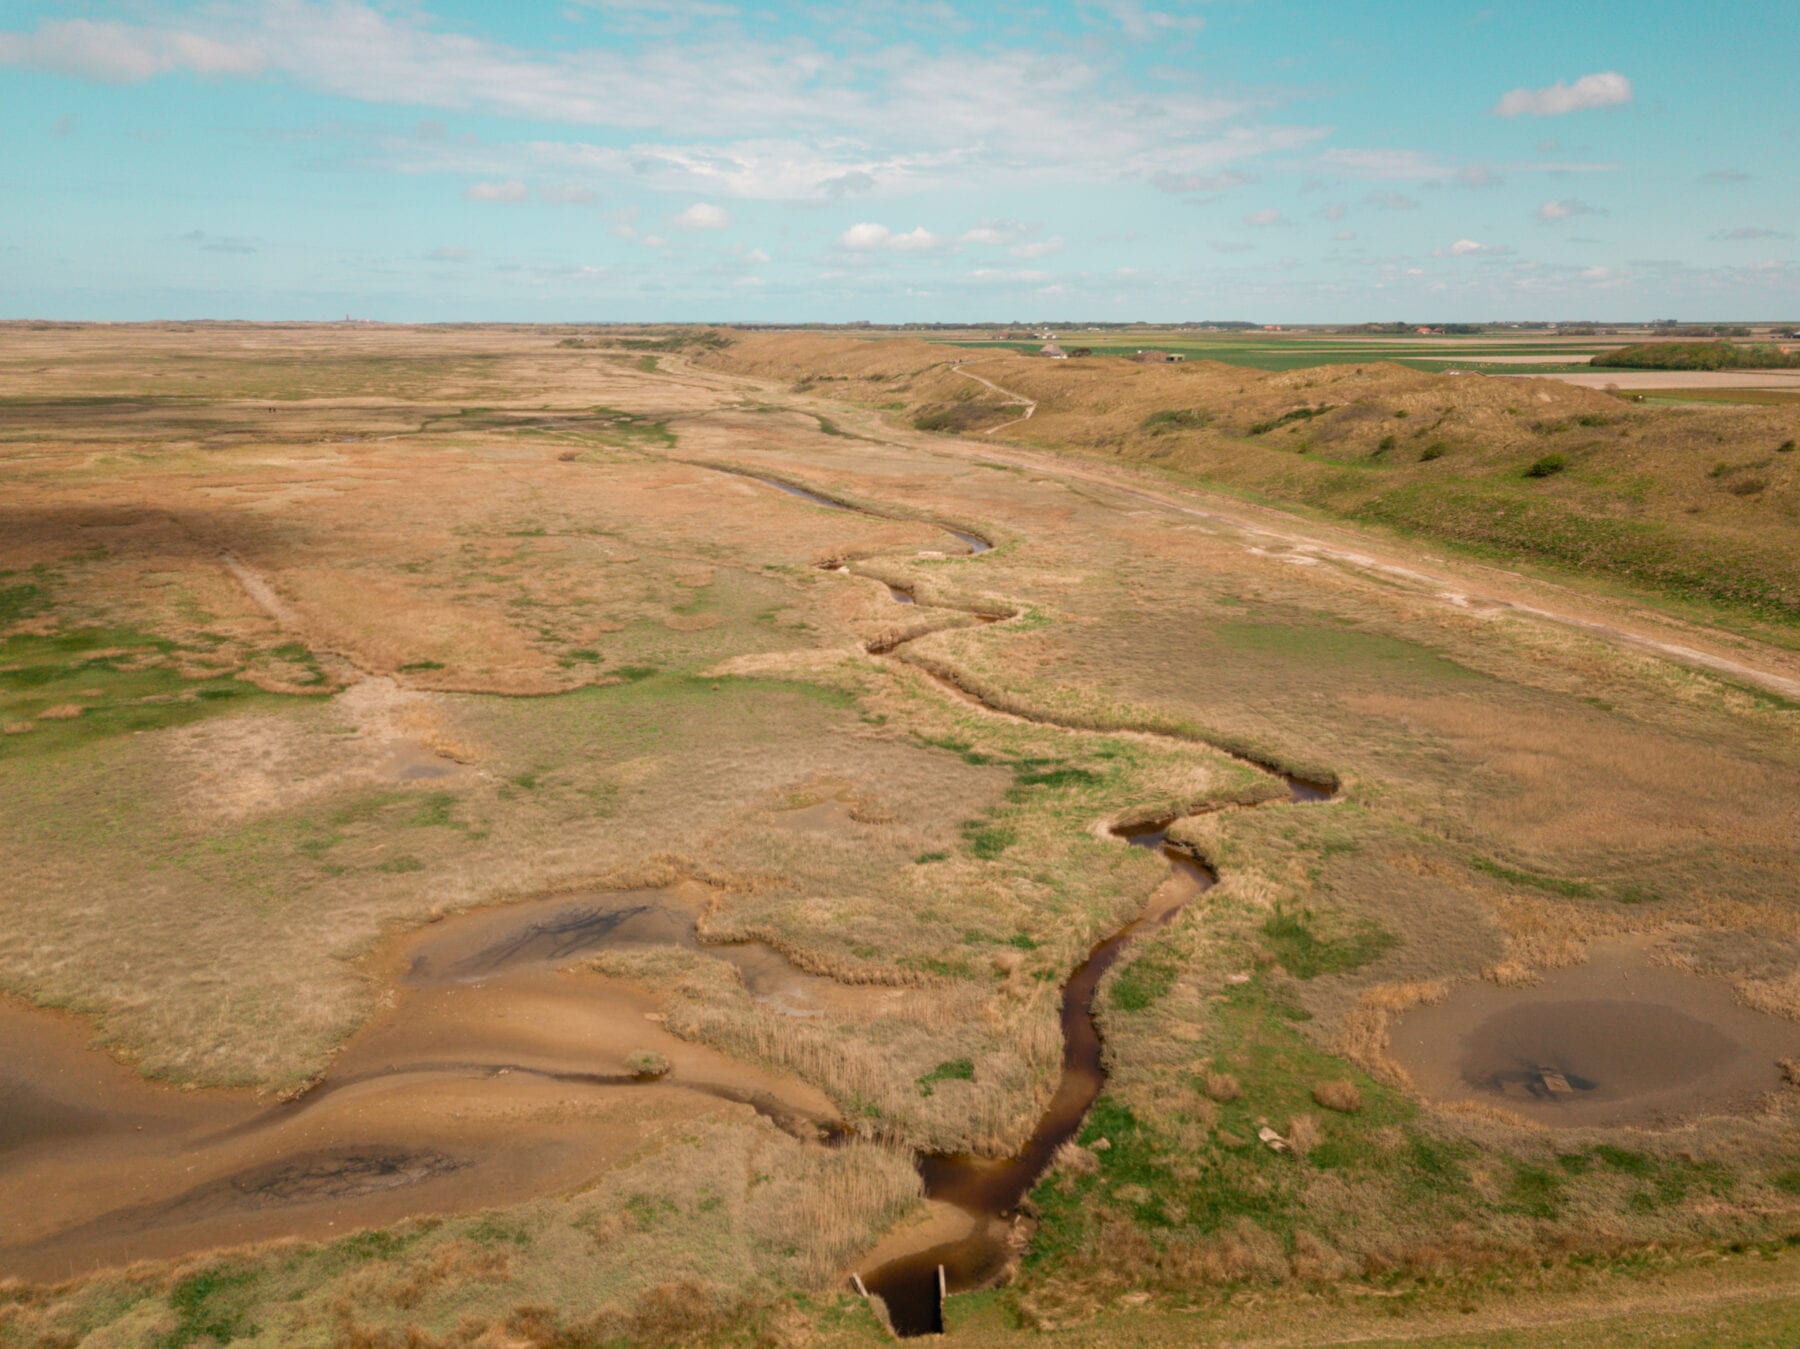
(1363, 1037)
(1342, 1095)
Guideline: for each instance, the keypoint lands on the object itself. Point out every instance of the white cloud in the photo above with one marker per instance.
(448, 254)
(1725, 176)
(507, 191)
(1606, 89)
(1746, 232)
(703, 215)
(756, 256)
(1344, 236)
(117, 53)
(720, 110)
(1004, 274)
(1042, 248)
(568, 194)
(996, 232)
(1334, 212)
(868, 237)
(1552, 211)
(1471, 248)
(1141, 24)
(1262, 219)
(1231, 246)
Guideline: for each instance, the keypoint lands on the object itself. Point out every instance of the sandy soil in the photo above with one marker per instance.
(491, 1076)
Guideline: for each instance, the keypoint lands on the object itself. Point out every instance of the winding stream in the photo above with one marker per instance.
(991, 1191)
(421, 1110)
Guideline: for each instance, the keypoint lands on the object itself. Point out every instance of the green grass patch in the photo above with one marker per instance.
(97, 683)
(1142, 984)
(1533, 880)
(210, 1307)
(950, 1070)
(1308, 945)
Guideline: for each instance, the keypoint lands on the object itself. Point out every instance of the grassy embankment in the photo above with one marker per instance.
(1697, 505)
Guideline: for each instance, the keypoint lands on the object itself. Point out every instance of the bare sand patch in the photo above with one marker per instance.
(490, 1076)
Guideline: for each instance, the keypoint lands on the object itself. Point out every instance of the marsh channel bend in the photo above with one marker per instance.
(991, 1190)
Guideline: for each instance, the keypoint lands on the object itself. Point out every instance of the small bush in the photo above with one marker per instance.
(647, 1063)
(1786, 447)
(1176, 419)
(1547, 467)
(1287, 418)
(1341, 1096)
(1748, 487)
(1436, 450)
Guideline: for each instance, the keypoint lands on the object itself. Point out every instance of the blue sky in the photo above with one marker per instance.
(703, 159)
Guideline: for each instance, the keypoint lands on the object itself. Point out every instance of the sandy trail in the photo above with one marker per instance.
(1013, 399)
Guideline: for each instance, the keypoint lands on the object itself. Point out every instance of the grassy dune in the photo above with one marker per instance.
(1696, 505)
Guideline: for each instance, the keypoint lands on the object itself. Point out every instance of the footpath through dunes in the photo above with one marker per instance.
(1428, 454)
(912, 1272)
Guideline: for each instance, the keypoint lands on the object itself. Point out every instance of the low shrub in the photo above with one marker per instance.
(1547, 467)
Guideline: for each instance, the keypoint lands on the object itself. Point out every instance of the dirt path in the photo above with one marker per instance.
(1013, 399)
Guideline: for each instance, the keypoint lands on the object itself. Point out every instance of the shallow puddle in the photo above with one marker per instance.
(1617, 1041)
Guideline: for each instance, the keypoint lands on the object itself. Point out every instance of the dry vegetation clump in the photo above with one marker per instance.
(1341, 1095)
(1363, 1038)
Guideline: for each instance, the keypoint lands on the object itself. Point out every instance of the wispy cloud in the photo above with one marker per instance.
(1744, 233)
(512, 190)
(869, 237)
(1564, 209)
(1606, 89)
(118, 53)
(1471, 248)
(1391, 201)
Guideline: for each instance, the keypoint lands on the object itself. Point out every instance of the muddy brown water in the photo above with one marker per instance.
(495, 1074)
(991, 1190)
(1620, 1040)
